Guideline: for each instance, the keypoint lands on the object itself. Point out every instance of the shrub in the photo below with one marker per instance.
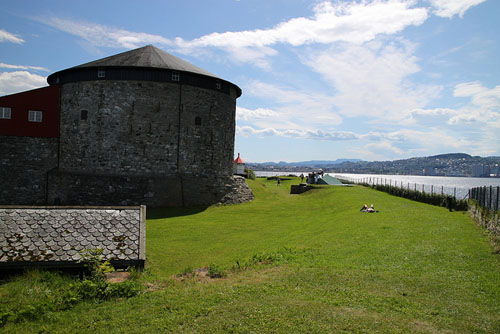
(96, 263)
(215, 271)
(250, 174)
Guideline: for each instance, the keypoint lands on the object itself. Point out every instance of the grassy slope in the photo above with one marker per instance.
(410, 268)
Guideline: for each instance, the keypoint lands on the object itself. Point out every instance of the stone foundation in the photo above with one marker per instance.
(240, 192)
(153, 191)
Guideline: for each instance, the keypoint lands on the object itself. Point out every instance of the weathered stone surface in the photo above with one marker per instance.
(145, 128)
(25, 162)
(43, 234)
(238, 192)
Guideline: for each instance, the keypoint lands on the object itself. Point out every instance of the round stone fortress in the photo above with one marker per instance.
(143, 127)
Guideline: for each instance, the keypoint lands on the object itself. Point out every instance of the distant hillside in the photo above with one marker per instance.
(310, 163)
(450, 164)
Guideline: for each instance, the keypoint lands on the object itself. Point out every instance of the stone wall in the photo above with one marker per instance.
(86, 189)
(24, 164)
(146, 128)
(128, 143)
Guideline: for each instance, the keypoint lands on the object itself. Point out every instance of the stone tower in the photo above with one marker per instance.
(143, 127)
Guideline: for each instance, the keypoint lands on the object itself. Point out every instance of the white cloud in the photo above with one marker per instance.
(480, 95)
(450, 8)
(8, 37)
(375, 145)
(104, 36)
(18, 81)
(372, 80)
(483, 106)
(23, 67)
(259, 113)
(354, 22)
(301, 109)
(293, 133)
(332, 22)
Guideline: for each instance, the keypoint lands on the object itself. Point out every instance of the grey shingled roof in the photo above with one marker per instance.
(58, 235)
(147, 56)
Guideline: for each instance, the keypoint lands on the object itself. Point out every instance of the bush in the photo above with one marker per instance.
(215, 271)
(250, 174)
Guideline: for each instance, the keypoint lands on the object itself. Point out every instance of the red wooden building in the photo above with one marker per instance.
(33, 113)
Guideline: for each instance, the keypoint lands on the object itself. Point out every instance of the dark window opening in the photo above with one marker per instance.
(101, 73)
(197, 121)
(84, 115)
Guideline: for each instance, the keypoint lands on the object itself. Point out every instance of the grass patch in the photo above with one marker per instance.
(307, 263)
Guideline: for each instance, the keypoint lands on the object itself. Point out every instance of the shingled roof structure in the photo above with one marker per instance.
(147, 56)
(56, 236)
(139, 64)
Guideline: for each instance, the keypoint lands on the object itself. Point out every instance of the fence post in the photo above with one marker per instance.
(442, 190)
(498, 199)
(455, 193)
(490, 202)
(432, 189)
(423, 189)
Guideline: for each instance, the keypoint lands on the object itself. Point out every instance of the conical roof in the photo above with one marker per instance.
(147, 56)
(238, 160)
(144, 63)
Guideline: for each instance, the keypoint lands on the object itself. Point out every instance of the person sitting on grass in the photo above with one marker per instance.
(365, 208)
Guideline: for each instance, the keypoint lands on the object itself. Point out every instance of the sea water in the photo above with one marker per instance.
(458, 186)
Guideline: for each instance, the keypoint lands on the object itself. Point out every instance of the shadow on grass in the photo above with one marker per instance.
(159, 213)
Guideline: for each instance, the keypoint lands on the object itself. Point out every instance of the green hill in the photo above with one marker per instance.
(309, 263)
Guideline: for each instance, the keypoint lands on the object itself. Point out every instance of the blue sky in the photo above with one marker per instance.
(321, 80)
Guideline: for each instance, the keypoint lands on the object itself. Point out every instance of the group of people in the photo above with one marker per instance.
(365, 208)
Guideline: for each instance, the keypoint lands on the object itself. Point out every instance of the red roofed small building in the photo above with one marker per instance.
(239, 166)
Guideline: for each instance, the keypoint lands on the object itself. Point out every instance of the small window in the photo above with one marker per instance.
(4, 113)
(101, 73)
(197, 121)
(176, 76)
(84, 115)
(217, 85)
(34, 116)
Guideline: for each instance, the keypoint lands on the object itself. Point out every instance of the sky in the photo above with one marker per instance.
(321, 80)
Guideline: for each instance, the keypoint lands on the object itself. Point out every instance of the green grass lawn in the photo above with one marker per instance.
(412, 268)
